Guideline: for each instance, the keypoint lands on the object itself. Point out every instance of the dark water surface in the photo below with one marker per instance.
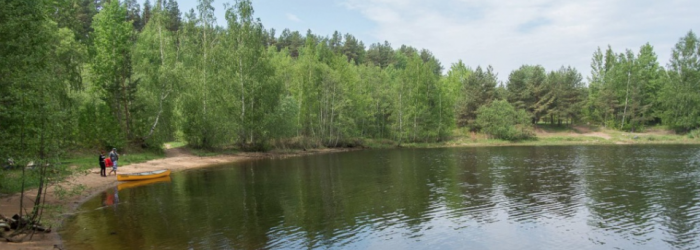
(541, 197)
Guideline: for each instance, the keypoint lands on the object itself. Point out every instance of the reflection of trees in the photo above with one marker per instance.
(619, 192)
(680, 210)
(538, 181)
(411, 182)
(314, 200)
(625, 183)
(468, 182)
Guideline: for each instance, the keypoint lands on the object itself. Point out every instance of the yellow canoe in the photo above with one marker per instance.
(143, 175)
(132, 184)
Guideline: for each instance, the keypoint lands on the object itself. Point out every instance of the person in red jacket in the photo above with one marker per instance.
(108, 163)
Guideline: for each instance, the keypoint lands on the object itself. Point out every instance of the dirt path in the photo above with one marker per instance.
(176, 152)
(177, 159)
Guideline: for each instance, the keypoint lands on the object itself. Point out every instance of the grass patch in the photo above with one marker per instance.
(11, 180)
(81, 162)
(695, 134)
(127, 159)
(176, 144)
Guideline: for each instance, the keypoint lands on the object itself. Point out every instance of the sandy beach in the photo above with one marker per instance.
(176, 160)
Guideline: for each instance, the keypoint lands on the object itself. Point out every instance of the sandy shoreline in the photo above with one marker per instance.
(176, 160)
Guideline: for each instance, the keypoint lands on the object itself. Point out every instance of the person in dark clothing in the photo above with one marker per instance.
(103, 168)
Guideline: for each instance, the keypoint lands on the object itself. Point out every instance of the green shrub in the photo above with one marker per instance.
(694, 134)
(502, 121)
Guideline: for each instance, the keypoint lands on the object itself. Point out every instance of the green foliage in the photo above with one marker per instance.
(137, 77)
(111, 64)
(160, 72)
(694, 134)
(420, 113)
(13, 181)
(477, 90)
(97, 128)
(381, 55)
(201, 105)
(623, 89)
(680, 97)
(282, 122)
(526, 90)
(353, 49)
(176, 144)
(565, 96)
(35, 83)
(250, 73)
(374, 102)
(502, 121)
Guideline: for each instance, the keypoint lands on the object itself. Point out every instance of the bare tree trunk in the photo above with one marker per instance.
(627, 93)
(440, 119)
(240, 79)
(330, 128)
(125, 95)
(204, 70)
(401, 116)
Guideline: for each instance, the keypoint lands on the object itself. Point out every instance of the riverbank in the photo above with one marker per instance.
(179, 159)
(91, 183)
(547, 135)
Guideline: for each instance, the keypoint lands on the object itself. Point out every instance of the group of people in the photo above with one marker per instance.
(108, 162)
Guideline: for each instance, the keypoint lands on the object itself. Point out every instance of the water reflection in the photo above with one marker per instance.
(679, 210)
(133, 184)
(536, 197)
(540, 182)
(110, 197)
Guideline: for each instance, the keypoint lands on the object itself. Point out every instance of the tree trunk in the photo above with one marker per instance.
(627, 93)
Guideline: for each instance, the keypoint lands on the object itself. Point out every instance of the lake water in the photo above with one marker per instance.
(534, 197)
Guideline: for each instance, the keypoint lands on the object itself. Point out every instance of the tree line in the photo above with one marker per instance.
(100, 74)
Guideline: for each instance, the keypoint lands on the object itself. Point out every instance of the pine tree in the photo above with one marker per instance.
(680, 96)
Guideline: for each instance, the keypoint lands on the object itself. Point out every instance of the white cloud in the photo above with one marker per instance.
(293, 18)
(510, 33)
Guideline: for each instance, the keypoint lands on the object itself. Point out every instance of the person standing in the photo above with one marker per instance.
(114, 156)
(103, 171)
(108, 163)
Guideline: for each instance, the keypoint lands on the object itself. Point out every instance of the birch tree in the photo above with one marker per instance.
(157, 64)
(252, 74)
(202, 123)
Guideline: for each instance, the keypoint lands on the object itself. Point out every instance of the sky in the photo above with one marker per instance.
(505, 34)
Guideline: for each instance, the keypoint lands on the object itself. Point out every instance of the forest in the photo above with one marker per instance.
(97, 74)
